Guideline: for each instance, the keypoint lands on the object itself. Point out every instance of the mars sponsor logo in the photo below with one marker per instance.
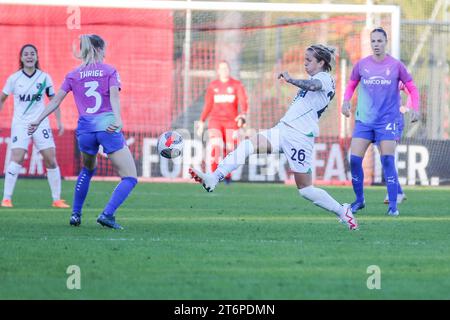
(377, 80)
(224, 98)
(30, 97)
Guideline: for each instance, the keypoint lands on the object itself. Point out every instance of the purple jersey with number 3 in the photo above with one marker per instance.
(90, 86)
(378, 92)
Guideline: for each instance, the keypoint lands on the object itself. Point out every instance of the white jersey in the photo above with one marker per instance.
(307, 107)
(28, 94)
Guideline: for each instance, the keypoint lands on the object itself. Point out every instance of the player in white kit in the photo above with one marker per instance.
(293, 135)
(28, 86)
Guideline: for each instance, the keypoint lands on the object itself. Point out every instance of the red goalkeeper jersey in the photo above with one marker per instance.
(222, 100)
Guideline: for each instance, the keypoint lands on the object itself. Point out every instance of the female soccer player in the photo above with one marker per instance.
(95, 86)
(28, 85)
(378, 117)
(293, 135)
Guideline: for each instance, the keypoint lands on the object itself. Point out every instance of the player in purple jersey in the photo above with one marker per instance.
(378, 116)
(96, 87)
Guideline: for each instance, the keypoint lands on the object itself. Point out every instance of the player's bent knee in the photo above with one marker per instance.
(89, 164)
(124, 162)
(127, 169)
(89, 161)
(18, 161)
(50, 163)
(18, 156)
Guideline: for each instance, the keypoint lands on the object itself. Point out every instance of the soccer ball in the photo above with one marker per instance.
(170, 144)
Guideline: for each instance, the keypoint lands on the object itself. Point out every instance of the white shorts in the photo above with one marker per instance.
(297, 147)
(42, 137)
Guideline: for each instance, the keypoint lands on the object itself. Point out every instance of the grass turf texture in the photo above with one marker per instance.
(244, 241)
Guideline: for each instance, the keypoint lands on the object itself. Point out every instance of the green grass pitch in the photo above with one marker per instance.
(244, 241)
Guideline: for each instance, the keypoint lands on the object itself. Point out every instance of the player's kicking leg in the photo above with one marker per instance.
(322, 199)
(231, 162)
(209, 181)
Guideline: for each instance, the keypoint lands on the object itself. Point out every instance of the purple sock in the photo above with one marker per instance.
(82, 188)
(357, 177)
(390, 176)
(119, 195)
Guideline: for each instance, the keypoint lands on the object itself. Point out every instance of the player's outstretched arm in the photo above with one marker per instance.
(310, 85)
(52, 106)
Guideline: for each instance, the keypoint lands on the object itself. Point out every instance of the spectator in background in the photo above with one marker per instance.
(28, 86)
(223, 97)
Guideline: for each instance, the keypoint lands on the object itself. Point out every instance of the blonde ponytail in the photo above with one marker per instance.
(91, 49)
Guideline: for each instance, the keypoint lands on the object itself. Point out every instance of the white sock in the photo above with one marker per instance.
(234, 159)
(54, 181)
(321, 199)
(11, 175)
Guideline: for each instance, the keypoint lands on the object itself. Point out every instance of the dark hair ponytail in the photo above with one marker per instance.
(323, 53)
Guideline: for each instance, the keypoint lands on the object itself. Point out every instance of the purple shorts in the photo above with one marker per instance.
(377, 132)
(111, 142)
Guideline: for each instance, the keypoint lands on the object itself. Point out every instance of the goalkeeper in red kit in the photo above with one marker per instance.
(223, 97)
